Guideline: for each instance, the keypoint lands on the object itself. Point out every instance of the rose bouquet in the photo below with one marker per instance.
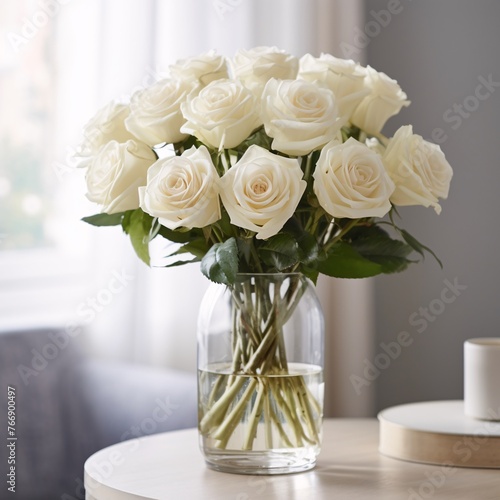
(264, 164)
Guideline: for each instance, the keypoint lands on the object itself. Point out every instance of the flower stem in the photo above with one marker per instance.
(259, 388)
(225, 430)
(255, 256)
(254, 418)
(341, 234)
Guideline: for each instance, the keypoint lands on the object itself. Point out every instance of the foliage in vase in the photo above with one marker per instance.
(264, 163)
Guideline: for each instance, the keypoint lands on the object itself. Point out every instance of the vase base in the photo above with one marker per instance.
(262, 462)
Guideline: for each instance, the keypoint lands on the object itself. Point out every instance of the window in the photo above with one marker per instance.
(52, 79)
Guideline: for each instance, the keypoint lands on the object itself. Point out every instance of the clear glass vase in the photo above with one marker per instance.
(260, 374)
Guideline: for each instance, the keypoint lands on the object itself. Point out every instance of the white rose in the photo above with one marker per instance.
(222, 115)
(418, 168)
(385, 100)
(107, 125)
(262, 191)
(115, 174)
(256, 66)
(182, 191)
(343, 77)
(375, 145)
(155, 112)
(204, 68)
(300, 116)
(350, 181)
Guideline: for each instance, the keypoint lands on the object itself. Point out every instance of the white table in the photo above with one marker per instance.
(170, 466)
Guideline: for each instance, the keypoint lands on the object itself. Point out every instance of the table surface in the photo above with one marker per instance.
(170, 466)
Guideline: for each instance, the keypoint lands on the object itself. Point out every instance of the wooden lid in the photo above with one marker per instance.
(438, 432)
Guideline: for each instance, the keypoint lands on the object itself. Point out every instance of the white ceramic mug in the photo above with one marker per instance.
(482, 378)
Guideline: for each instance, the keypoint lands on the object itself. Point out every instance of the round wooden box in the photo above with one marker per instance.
(438, 432)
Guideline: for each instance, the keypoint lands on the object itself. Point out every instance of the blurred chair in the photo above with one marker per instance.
(68, 406)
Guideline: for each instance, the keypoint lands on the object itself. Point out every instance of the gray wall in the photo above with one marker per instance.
(437, 50)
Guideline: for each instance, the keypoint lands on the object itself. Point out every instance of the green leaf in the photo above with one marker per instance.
(280, 251)
(220, 264)
(126, 220)
(245, 248)
(390, 263)
(345, 262)
(105, 219)
(187, 143)
(258, 137)
(179, 236)
(182, 262)
(411, 240)
(155, 228)
(418, 247)
(308, 247)
(198, 248)
(224, 223)
(138, 226)
(310, 273)
(377, 246)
